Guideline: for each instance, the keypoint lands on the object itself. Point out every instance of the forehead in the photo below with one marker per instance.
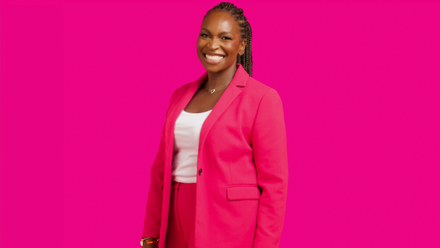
(220, 21)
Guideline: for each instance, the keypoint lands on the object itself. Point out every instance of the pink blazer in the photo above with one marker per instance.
(242, 169)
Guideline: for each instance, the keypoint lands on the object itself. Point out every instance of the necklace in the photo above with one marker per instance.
(213, 90)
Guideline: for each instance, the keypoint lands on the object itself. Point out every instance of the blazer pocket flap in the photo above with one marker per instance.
(243, 193)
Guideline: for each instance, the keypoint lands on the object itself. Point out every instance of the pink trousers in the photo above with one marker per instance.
(180, 229)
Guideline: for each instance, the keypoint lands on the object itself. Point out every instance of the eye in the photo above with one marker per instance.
(228, 38)
(203, 36)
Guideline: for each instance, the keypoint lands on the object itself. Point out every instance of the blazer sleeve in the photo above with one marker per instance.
(154, 202)
(270, 158)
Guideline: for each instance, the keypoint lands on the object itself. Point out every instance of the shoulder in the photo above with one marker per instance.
(181, 89)
(257, 91)
(254, 91)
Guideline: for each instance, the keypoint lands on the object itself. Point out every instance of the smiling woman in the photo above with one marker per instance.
(220, 176)
(234, 36)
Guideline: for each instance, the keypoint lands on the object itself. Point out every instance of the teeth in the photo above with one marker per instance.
(213, 57)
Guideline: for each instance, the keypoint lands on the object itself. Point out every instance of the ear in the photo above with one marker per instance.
(242, 47)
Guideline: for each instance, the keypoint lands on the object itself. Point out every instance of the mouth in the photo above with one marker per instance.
(213, 59)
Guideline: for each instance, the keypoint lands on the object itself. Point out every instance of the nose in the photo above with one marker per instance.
(213, 44)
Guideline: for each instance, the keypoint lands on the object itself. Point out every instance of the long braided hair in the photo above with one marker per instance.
(245, 29)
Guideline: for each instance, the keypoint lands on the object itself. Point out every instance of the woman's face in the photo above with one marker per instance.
(219, 34)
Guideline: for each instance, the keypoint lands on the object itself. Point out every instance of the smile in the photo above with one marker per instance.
(213, 59)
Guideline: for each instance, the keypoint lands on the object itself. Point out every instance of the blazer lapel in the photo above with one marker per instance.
(232, 91)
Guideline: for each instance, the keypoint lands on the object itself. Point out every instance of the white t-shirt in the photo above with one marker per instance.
(186, 144)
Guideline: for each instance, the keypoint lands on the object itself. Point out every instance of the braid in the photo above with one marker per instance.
(246, 33)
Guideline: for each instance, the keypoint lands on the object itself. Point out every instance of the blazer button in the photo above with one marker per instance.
(200, 171)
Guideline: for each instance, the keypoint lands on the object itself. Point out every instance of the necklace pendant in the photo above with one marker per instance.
(212, 91)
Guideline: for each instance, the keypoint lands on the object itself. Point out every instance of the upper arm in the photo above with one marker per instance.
(269, 130)
(172, 99)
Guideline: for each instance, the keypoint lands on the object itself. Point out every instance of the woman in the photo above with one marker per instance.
(220, 176)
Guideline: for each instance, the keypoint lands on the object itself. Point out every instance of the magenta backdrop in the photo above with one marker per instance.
(83, 101)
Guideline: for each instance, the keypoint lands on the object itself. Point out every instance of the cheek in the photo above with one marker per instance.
(232, 53)
(200, 44)
(232, 49)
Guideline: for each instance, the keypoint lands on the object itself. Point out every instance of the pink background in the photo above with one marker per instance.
(83, 104)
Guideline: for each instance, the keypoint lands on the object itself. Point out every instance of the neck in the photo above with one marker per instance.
(221, 79)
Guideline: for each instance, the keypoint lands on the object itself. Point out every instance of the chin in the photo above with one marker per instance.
(213, 69)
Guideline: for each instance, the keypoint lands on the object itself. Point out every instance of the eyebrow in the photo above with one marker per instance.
(220, 32)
